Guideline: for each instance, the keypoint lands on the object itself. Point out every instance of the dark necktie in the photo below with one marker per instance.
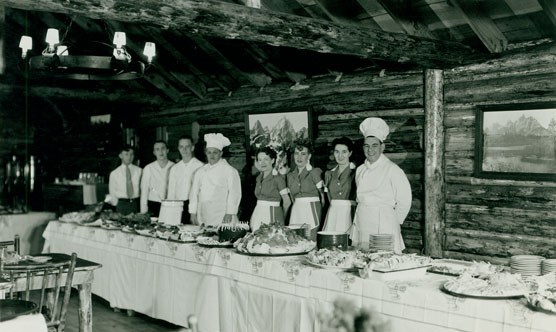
(128, 183)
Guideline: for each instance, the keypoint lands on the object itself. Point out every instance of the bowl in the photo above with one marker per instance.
(327, 240)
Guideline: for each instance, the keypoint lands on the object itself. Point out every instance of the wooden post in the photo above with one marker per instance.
(434, 162)
(2, 34)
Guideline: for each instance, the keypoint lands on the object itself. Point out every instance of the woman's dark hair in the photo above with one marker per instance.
(266, 150)
(344, 141)
(301, 143)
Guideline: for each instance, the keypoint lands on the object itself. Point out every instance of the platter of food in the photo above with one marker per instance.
(494, 286)
(453, 267)
(111, 226)
(77, 217)
(331, 267)
(332, 259)
(274, 254)
(274, 240)
(212, 242)
(91, 223)
(542, 303)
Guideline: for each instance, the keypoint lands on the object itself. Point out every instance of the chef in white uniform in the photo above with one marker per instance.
(383, 191)
(216, 190)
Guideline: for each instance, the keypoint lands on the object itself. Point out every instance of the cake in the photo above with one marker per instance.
(274, 239)
(232, 231)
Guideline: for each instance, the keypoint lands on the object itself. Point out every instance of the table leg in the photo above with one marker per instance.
(85, 312)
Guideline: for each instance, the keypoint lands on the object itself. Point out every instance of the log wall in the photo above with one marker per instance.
(337, 110)
(494, 219)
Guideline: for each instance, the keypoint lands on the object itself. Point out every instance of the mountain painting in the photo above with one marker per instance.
(520, 141)
(279, 131)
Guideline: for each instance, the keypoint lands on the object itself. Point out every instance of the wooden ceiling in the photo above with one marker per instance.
(210, 45)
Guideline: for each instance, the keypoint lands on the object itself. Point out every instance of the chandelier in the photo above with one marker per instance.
(56, 59)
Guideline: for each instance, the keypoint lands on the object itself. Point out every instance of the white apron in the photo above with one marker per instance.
(208, 215)
(306, 210)
(338, 217)
(265, 213)
(376, 219)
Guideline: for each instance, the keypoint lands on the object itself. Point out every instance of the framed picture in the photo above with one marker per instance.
(278, 130)
(516, 142)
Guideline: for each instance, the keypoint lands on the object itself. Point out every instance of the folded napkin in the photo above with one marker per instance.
(25, 323)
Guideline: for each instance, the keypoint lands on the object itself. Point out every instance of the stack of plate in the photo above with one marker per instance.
(548, 266)
(526, 265)
(380, 242)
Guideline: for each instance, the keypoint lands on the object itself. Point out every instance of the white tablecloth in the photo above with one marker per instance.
(230, 292)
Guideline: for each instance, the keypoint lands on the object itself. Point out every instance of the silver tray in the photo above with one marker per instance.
(482, 297)
(273, 255)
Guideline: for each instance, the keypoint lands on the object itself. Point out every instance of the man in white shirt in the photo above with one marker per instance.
(123, 184)
(181, 175)
(155, 180)
(216, 190)
(383, 190)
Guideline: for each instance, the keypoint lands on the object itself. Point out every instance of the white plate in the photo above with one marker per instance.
(39, 259)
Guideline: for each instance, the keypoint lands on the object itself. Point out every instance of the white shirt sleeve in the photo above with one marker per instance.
(172, 183)
(145, 179)
(112, 187)
(234, 192)
(402, 193)
(194, 192)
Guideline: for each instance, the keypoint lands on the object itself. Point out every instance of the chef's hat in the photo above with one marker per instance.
(217, 141)
(374, 127)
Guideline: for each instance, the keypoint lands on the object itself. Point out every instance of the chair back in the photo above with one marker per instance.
(50, 279)
(14, 243)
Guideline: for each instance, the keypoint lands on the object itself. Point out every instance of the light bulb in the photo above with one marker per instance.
(149, 51)
(26, 43)
(119, 39)
(52, 37)
(62, 50)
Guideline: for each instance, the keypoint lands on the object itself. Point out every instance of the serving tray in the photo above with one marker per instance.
(273, 255)
(483, 297)
(330, 267)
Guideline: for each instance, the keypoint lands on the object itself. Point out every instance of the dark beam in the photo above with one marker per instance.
(191, 81)
(232, 21)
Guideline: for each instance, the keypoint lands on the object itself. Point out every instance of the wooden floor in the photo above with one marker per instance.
(106, 320)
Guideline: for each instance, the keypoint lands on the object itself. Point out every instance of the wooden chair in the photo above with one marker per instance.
(14, 243)
(48, 279)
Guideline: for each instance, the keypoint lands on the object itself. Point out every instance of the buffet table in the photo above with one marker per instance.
(231, 292)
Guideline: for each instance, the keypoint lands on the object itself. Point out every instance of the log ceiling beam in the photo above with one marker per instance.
(549, 8)
(193, 83)
(483, 26)
(231, 21)
(209, 49)
(399, 13)
(113, 96)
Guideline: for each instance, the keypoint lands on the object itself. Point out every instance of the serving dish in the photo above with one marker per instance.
(515, 295)
(273, 255)
(331, 267)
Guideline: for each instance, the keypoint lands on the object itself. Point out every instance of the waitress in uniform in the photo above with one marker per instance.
(306, 188)
(270, 189)
(383, 191)
(339, 186)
